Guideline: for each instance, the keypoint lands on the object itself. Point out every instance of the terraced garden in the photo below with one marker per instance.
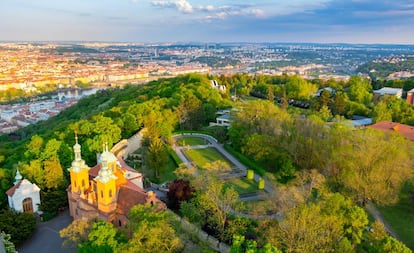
(191, 141)
(202, 156)
(243, 185)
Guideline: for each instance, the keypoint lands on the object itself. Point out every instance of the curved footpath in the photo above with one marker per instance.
(220, 148)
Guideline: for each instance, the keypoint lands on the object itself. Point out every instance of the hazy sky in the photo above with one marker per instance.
(353, 21)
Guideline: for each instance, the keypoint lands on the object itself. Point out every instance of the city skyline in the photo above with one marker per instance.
(321, 21)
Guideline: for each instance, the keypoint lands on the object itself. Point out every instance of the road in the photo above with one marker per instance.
(46, 236)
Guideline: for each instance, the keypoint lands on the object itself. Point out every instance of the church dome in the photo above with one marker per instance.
(108, 157)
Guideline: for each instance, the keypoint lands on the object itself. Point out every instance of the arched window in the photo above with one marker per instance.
(28, 205)
(120, 223)
(110, 193)
(101, 194)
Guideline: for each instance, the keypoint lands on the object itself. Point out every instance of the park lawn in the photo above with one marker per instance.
(401, 217)
(243, 185)
(165, 176)
(191, 141)
(203, 156)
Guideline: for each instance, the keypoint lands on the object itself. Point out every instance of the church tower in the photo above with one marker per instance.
(79, 176)
(106, 185)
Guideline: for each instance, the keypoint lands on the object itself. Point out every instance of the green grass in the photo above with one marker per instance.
(243, 185)
(203, 156)
(191, 141)
(401, 216)
(165, 176)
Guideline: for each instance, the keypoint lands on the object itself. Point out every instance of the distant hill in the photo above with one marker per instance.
(379, 69)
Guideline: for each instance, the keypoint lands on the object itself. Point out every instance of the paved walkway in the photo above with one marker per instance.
(370, 207)
(46, 236)
(220, 148)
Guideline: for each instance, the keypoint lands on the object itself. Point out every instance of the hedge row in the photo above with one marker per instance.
(174, 156)
(246, 161)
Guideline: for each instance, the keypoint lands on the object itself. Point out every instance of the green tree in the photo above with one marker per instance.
(307, 143)
(53, 174)
(381, 112)
(101, 238)
(130, 125)
(241, 245)
(325, 113)
(157, 156)
(270, 94)
(298, 88)
(20, 226)
(33, 171)
(152, 231)
(7, 243)
(324, 99)
(360, 90)
(374, 165)
(301, 229)
(261, 117)
(354, 219)
(217, 201)
(34, 147)
(339, 103)
(76, 233)
(51, 150)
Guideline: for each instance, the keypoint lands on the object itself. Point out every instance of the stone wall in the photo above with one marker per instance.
(209, 240)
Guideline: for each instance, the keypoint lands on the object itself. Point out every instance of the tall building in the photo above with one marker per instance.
(410, 97)
(106, 191)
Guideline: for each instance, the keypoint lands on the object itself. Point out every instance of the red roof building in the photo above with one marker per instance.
(388, 126)
(106, 191)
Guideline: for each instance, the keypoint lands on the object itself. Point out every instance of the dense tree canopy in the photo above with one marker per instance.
(291, 143)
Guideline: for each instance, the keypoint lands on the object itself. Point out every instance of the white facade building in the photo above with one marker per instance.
(24, 196)
(389, 91)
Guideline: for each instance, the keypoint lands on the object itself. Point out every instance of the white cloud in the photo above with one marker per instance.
(206, 8)
(226, 12)
(214, 12)
(163, 3)
(181, 5)
(184, 6)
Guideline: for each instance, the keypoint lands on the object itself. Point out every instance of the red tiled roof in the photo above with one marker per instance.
(11, 191)
(129, 196)
(387, 126)
(93, 172)
(124, 165)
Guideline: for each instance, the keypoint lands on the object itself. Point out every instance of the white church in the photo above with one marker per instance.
(24, 196)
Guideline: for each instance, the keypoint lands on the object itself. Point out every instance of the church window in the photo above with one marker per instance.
(101, 194)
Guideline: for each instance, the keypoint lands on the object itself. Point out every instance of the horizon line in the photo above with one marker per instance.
(198, 42)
